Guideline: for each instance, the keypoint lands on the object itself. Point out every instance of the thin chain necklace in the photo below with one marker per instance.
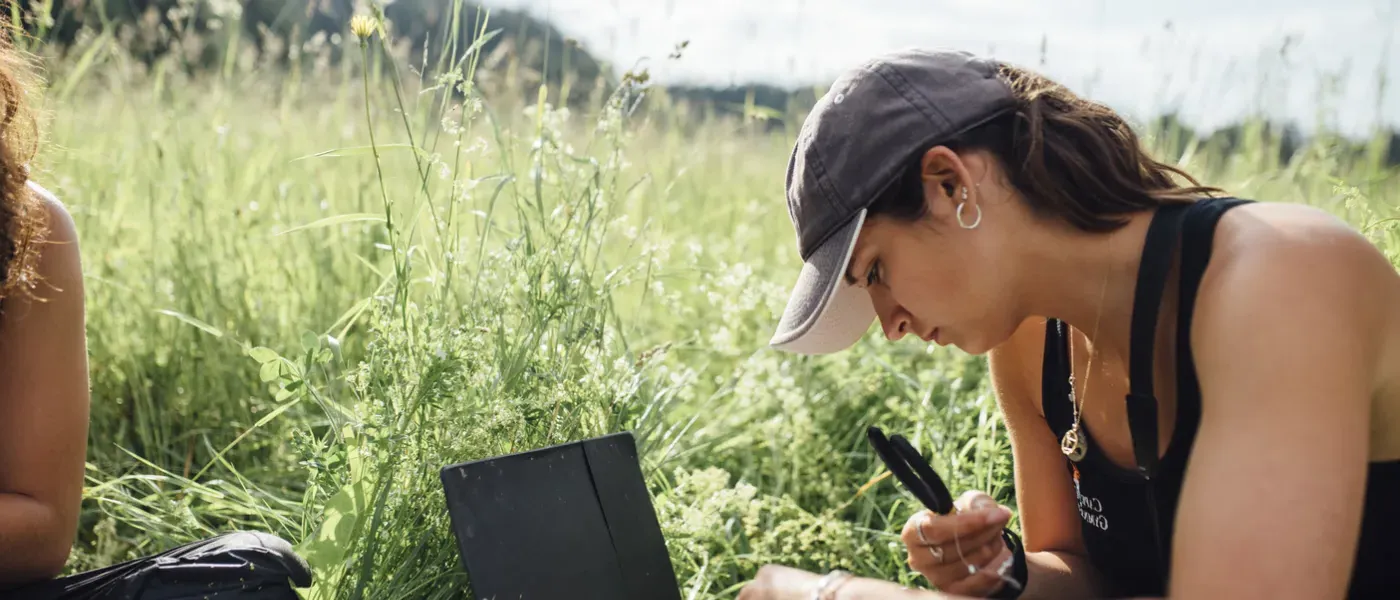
(1072, 444)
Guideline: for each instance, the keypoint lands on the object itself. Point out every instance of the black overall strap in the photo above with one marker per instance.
(1197, 239)
(1157, 253)
(1053, 377)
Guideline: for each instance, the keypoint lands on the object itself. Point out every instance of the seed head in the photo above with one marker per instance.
(362, 26)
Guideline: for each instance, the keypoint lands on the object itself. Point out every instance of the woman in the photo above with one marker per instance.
(1202, 394)
(44, 407)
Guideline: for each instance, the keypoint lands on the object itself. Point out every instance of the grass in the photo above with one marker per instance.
(308, 294)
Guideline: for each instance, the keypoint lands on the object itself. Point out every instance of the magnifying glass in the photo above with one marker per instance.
(912, 470)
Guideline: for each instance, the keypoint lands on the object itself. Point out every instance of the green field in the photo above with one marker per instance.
(309, 291)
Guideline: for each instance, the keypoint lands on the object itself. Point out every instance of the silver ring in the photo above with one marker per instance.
(935, 551)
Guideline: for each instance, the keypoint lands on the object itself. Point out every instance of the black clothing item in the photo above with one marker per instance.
(241, 565)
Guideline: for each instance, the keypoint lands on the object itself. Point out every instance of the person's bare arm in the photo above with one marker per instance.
(1056, 562)
(43, 411)
(777, 582)
(1286, 342)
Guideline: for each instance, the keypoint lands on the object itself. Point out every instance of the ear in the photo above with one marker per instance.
(944, 175)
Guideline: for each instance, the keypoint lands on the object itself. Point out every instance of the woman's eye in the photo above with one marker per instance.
(874, 274)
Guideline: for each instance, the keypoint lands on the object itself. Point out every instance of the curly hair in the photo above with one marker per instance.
(23, 216)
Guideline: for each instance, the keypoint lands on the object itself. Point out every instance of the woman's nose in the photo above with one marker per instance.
(896, 326)
(893, 318)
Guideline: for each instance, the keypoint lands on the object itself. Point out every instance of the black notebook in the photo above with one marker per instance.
(569, 521)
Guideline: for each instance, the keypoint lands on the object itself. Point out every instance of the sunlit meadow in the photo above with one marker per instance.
(309, 291)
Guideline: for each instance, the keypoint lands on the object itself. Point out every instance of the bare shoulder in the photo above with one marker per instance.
(1302, 246)
(1265, 230)
(57, 265)
(59, 255)
(1304, 272)
(60, 222)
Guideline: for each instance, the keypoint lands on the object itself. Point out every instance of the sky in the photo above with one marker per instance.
(1209, 60)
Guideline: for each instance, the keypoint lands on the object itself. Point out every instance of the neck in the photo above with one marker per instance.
(1088, 281)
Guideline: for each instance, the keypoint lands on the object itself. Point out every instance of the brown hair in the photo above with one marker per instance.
(1070, 158)
(23, 217)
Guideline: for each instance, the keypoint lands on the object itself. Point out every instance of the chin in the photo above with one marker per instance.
(973, 349)
(980, 342)
(968, 344)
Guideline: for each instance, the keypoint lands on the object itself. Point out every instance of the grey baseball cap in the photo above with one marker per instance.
(851, 147)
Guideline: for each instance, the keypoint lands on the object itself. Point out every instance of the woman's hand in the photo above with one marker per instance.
(961, 553)
(776, 582)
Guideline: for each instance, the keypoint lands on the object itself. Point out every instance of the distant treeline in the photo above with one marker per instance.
(524, 52)
(197, 33)
(1284, 140)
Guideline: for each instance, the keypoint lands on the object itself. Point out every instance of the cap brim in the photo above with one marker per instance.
(825, 314)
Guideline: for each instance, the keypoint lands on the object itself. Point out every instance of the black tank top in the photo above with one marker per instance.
(1127, 516)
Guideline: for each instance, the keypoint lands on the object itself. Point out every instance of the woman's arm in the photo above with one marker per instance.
(1050, 531)
(776, 582)
(1286, 342)
(43, 411)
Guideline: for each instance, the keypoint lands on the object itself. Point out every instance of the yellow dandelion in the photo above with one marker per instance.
(363, 26)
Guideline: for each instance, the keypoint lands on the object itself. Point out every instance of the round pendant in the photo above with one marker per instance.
(1071, 446)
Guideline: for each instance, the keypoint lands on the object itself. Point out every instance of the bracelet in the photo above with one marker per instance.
(1018, 567)
(827, 581)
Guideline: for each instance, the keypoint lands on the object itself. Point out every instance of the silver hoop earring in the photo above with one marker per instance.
(963, 204)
